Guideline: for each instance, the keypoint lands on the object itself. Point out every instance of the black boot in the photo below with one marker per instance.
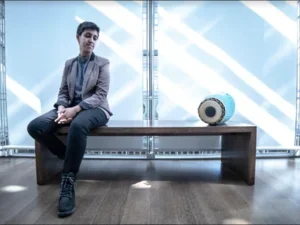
(66, 205)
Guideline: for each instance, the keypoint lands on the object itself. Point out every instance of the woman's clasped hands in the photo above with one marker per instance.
(65, 115)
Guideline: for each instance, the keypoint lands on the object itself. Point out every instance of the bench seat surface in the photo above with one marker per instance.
(165, 127)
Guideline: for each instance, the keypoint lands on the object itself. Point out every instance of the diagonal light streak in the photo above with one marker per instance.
(269, 33)
(254, 113)
(116, 13)
(139, 2)
(292, 3)
(133, 21)
(120, 51)
(23, 94)
(177, 95)
(167, 107)
(275, 17)
(116, 97)
(215, 83)
(275, 99)
(134, 62)
(184, 10)
(125, 91)
(283, 51)
(15, 107)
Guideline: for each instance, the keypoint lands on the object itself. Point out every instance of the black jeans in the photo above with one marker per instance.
(43, 127)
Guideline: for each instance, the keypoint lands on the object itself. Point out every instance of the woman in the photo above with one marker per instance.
(82, 103)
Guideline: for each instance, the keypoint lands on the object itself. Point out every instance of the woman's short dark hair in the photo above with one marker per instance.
(87, 26)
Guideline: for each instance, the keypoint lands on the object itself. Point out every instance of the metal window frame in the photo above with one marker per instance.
(150, 100)
(297, 116)
(4, 134)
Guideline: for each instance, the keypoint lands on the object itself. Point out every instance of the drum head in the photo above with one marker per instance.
(211, 111)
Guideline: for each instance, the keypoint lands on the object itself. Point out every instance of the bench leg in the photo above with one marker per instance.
(239, 155)
(47, 164)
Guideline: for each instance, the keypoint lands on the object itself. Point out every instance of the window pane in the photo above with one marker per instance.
(41, 36)
(247, 49)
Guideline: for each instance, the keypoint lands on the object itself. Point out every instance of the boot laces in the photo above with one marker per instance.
(67, 186)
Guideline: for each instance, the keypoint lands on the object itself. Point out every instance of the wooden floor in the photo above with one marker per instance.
(154, 192)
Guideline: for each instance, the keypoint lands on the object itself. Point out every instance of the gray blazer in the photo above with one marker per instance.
(95, 84)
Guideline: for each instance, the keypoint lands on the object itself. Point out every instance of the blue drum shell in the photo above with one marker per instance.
(216, 108)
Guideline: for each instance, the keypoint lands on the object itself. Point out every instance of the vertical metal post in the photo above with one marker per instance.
(297, 119)
(150, 58)
(149, 69)
(4, 138)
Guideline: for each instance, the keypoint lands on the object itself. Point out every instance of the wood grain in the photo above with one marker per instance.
(171, 192)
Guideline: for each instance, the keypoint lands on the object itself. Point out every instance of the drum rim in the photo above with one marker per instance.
(221, 104)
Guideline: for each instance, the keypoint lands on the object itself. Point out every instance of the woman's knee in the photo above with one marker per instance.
(42, 124)
(38, 126)
(78, 127)
(33, 127)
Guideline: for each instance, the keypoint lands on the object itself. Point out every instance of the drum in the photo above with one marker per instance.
(216, 108)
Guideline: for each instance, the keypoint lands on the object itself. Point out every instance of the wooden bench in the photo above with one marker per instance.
(238, 147)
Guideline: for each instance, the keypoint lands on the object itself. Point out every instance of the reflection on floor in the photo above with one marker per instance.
(155, 192)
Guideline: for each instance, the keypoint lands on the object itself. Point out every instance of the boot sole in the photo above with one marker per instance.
(67, 213)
